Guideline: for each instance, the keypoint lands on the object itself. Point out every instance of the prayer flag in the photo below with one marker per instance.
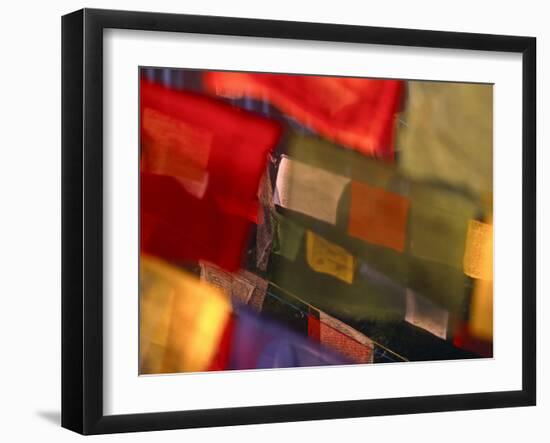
(358, 113)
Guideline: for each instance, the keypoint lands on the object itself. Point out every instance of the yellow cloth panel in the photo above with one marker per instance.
(328, 258)
(181, 319)
(478, 264)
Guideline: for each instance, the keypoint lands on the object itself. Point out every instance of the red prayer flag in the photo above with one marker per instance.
(357, 112)
(220, 361)
(463, 339)
(339, 341)
(191, 136)
(201, 164)
(178, 226)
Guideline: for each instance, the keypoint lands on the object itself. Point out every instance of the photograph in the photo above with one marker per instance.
(290, 220)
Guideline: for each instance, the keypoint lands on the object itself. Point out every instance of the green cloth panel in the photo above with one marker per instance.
(375, 311)
(448, 136)
(438, 224)
(436, 229)
(358, 301)
(288, 237)
(445, 286)
(434, 208)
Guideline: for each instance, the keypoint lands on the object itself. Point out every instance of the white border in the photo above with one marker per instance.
(125, 392)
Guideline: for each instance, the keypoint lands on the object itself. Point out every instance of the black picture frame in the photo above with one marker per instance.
(82, 220)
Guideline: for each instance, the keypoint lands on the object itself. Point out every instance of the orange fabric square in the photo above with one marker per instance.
(378, 216)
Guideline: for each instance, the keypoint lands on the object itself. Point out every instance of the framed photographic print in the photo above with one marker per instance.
(269, 221)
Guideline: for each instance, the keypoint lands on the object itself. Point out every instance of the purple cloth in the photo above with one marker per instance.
(260, 343)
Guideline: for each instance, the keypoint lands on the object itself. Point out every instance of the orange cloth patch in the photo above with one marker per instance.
(378, 216)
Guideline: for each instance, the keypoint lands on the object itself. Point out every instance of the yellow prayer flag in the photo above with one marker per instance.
(328, 258)
(481, 310)
(478, 254)
(181, 319)
(478, 264)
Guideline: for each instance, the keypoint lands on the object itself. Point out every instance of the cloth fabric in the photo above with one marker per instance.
(182, 321)
(448, 136)
(309, 190)
(328, 258)
(179, 227)
(203, 157)
(287, 240)
(378, 216)
(424, 314)
(478, 256)
(478, 263)
(243, 287)
(259, 343)
(222, 355)
(192, 136)
(340, 337)
(265, 229)
(364, 299)
(433, 224)
(358, 113)
(464, 339)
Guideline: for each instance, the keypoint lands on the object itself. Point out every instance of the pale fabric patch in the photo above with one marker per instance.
(216, 277)
(241, 290)
(256, 300)
(195, 188)
(422, 313)
(181, 151)
(309, 190)
(328, 258)
(245, 287)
